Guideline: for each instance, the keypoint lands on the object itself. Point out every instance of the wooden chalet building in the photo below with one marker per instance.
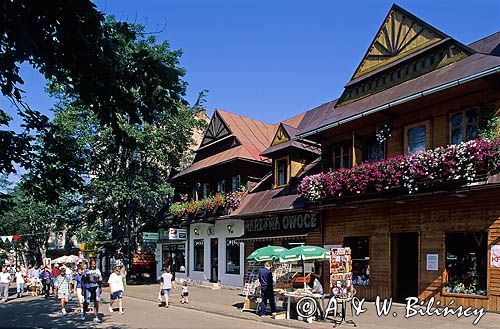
(418, 89)
(417, 95)
(272, 210)
(227, 160)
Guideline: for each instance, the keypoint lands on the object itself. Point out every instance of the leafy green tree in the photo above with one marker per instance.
(34, 221)
(125, 172)
(103, 64)
(100, 169)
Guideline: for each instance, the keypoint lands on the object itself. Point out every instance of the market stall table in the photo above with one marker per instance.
(316, 308)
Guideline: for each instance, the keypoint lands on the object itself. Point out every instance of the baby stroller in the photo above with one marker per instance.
(35, 286)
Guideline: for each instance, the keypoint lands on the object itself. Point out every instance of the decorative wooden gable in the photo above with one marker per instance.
(400, 35)
(216, 129)
(281, 136)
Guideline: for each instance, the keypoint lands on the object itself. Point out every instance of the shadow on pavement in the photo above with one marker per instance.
(38, 312)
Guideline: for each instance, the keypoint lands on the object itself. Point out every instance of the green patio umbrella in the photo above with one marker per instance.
(305, 253)
(266, 253)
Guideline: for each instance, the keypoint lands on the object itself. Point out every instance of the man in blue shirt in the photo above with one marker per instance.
(92, 280)
(266, 289)
(46, 278)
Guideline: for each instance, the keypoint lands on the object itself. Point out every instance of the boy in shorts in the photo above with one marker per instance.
(62, 288)
(116, 289)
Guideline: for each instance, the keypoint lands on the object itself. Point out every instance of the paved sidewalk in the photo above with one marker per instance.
(228, 303)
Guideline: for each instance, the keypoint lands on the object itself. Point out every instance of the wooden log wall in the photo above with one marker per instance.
(431, 219)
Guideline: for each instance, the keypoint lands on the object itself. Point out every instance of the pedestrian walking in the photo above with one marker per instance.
(20, 281)
(62, 286)
(116, 287)
(167, 283)
(31, 271)
(92, 281)
(124, 275)
(266, 289)
(4, 284)
(77, 287)
(46, 278)
(185, 293)
(55, 274)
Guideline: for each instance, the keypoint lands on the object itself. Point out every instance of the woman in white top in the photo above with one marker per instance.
(4, 284)
(116, 289)
(20, 280)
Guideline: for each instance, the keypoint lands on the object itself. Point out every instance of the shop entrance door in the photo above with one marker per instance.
(214, 260)
(404, 265)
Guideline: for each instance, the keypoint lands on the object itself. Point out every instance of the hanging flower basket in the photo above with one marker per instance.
(383, 133)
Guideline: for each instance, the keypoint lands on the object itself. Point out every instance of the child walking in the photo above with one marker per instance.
(185, 293)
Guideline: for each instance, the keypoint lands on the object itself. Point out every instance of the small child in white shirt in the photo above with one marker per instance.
(185, 293)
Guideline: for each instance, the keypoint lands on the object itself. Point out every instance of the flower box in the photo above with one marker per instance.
(451, 166)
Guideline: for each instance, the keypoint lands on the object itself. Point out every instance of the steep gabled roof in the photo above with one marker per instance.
(465, 68)
(295, 120)
(253, 136)
(400, 34)
(248, 131)
(241, 152)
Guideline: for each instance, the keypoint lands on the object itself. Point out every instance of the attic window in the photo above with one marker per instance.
(281, 172)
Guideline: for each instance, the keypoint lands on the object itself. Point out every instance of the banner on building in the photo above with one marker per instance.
(495, 255)
(150, 236)
(177, 234)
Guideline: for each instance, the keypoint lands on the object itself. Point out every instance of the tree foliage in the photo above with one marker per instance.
(35, 221)
(111, 67)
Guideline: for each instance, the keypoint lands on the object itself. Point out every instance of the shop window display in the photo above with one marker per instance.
(466, 263)
(360, 249)
(174, 257)
(199, 250)
(232, 256)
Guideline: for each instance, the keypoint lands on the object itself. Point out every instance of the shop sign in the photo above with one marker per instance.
(432, 262)
(293, 222)
(143, 259)
(150, 236)
(177, 234)
(495, 255)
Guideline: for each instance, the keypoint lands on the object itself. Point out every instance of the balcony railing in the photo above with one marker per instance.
(462, 163)
(218, 204)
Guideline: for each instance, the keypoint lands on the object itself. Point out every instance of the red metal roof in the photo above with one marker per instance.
(246, 152)
(464, 68)
(248, 131)
(489, 45)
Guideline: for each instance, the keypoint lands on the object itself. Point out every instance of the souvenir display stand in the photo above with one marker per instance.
(292, 272)
(341, 282)
(251, 289)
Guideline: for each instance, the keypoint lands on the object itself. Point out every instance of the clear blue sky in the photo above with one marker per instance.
(273, 59)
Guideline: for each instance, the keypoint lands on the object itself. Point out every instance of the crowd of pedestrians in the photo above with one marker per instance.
(64, 283)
